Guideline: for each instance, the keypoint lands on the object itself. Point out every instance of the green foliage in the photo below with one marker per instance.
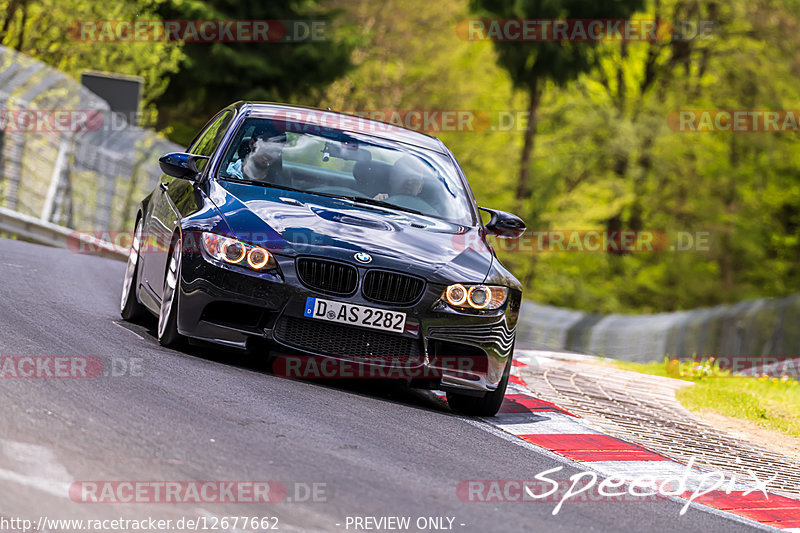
(559, 61)
(686, 369)
(409, 57)
(653, 368)
(607, 153)
(531, 64)
(696, 370)
(772, 404)
(215, 75)
(42, 29)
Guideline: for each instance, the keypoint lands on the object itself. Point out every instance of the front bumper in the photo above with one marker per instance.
(233, 306)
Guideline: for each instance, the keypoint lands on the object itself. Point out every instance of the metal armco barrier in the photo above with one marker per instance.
(35, 230)
(765, 328)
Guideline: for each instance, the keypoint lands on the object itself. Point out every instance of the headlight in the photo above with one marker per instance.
(236, 252)
(487, 297)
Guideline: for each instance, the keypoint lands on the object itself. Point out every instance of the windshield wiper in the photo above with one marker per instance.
(381, 203)
(234, 179)
(357, 199)
(282, 187)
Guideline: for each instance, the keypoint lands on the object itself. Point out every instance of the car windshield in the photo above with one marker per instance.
(364, 168)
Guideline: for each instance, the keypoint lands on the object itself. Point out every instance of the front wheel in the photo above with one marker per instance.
(488, 405)
(168, 314)
(130, 308)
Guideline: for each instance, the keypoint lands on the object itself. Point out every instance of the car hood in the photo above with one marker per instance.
(295, 223)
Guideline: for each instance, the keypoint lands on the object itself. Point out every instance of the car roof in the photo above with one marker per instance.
(339, 121)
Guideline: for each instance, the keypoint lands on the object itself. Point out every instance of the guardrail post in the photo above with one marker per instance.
(105, 194)
(129, 207)
(2, 164)
(12, 169)
(58, 180)
(62, 213)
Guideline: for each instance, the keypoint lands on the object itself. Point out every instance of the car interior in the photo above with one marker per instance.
(305, 166)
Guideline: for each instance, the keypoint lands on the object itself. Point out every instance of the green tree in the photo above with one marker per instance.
(609, 156)
(531, 64)
(409, 56)
(44, 29)
(214, 75)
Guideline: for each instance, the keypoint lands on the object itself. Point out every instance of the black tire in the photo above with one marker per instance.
(488, 405)
(130, 308)
(168, 335)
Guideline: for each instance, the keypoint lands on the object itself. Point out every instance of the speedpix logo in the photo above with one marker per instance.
(585, 486)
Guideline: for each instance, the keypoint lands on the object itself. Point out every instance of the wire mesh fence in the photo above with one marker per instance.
(65, 157)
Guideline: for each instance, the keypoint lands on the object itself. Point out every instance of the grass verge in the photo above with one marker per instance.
(771, 403)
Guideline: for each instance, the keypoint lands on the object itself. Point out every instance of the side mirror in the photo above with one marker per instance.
(181, 165)
(504, 225)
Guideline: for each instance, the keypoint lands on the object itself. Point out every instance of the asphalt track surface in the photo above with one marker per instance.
(204, 414)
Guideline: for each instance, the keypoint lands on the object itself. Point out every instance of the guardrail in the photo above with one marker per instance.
(35, 230)
(764, 328)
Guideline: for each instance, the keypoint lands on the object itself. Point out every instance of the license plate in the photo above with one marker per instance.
(355, 315)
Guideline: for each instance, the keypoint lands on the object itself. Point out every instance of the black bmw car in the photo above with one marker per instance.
(290, 230)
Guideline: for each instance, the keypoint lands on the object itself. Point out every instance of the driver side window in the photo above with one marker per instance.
(208, 141)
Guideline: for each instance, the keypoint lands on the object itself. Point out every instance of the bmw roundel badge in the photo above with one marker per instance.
(363, 257)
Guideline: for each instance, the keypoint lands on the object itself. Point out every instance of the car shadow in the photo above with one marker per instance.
(391, 390)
